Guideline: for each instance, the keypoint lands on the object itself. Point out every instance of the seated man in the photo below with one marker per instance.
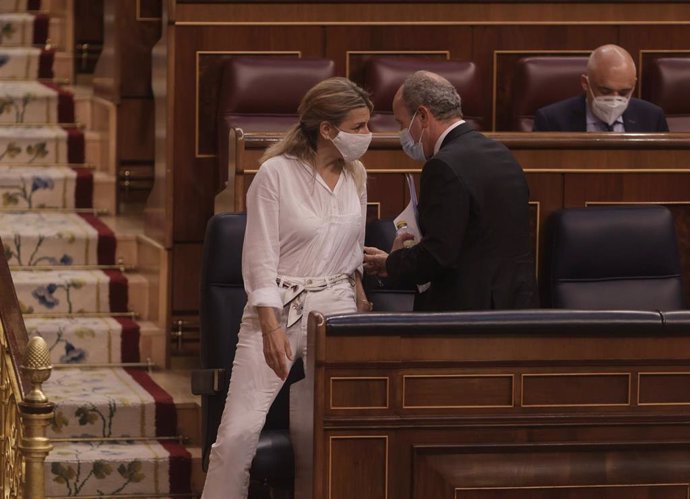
(606, 104)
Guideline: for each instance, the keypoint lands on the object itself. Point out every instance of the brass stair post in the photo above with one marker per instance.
(36, 413)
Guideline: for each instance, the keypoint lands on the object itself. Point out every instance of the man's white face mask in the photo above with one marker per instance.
(414, 150)
(608, 108)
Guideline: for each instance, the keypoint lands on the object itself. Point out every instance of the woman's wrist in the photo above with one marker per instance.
(270, 330)
(363, 302)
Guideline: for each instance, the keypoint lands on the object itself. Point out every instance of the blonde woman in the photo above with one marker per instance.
(302, 251)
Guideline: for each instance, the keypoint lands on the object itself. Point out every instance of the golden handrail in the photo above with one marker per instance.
(24, 410)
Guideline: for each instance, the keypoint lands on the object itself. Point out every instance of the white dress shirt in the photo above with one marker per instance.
(297, 226)
(439, 141)
(594, 124)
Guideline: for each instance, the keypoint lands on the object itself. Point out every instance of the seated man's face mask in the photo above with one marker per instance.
(608, 108)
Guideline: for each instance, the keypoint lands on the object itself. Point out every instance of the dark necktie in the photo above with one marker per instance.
(609, 128)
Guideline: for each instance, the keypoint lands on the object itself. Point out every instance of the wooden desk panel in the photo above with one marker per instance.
(546, 415)
(564, 170)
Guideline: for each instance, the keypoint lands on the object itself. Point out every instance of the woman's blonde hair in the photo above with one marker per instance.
(329, 100)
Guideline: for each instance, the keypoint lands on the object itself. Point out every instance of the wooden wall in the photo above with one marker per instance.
(199, 36)
(123, 76)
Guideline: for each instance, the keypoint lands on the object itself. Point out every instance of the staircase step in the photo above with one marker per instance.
(114, 469)
(88, 340)
(34, 102)
(104, 192)
(63, 66)
(152, 343)
(71, 291)
(57, 33)
(198, 474)
(108, 402)
(178, 384)
(56, 239)
(19, 5)
(62, 187)
(25, 63)
(97, 150)
(22, 29)
(42, 145)
(100, 340)
(140, 296)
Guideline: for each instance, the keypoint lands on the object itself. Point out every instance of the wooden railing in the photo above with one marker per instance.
(538, 153)
(24, 410)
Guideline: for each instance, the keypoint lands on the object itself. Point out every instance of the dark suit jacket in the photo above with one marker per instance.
(570, 115)
(474, 217)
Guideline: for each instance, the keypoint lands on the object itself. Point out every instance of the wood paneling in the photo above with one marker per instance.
(575, 390)
(203, 34)
(664, 388)
(364, 457)
(415, 13)
(562, 471)
(124, 68)
(359, 392)
(135, 130)
(196, 178)
(550, 442)
(457, 391)
(149, 10)
(186, 277)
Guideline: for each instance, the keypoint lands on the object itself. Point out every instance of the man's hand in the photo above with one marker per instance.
(375, 261)
(276, 349)
(399, 241)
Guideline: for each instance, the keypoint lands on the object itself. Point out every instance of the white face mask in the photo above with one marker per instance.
(414, 150)
(608, 108)
(352, 146)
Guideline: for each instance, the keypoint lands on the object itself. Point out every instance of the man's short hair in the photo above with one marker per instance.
(424, 88)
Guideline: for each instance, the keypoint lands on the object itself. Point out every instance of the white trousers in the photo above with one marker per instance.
(253, 387)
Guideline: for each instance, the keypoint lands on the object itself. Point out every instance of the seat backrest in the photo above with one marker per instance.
(612, 257)
(386, 295)
(220, 312)
(384, 75)
(542, 80)
(665, 82)
(262, 93)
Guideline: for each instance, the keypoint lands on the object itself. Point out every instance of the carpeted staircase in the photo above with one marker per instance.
(115, 430)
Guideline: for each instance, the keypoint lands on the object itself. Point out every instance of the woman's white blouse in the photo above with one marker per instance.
(297, 226)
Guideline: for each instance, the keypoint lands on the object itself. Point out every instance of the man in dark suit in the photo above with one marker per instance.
(606, 104)
(475, 249)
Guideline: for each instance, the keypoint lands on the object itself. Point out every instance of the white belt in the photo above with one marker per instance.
(295, 287)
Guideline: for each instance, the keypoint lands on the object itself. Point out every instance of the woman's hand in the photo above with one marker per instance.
(276, 350)
(363, 305)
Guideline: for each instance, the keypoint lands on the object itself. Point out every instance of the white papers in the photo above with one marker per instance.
(409, 216)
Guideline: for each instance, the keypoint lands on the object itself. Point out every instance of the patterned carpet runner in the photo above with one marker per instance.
(115, 428)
